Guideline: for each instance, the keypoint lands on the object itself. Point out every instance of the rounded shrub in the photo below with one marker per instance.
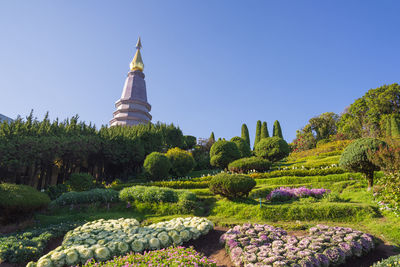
(157, 165)
(272, 148)
(222, 153)
(182, 161)
(246, 165)
(243, 146)
(80, 182)
(231, 185)
(357, 157)
(20, 200)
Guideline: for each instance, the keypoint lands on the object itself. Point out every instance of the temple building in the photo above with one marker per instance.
(132, 107)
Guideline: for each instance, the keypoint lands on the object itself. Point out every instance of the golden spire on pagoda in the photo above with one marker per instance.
(137, 62)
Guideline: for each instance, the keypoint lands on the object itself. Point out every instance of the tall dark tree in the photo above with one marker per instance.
(245, 134)
(212, 138)
(277, 129)
(258, 133)
(264, 130)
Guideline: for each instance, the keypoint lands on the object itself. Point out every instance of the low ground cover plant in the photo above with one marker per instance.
(231, 185)
(285, 180)
(104, 239)
(29, 245)
(288, 193)
(97, 195)
(393, 261)
(180, 184)
(298, 172)
(172, 256)
(324, 246)
(245, 165)
(20, 200)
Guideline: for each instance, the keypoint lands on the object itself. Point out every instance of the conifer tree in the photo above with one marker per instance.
(245, 134)
(212, 138)
(258, 133)
(277, 129)
(395, 127)
(264, 130)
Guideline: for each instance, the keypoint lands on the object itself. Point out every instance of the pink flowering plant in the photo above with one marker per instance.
(172, 256)
(265, 245)
(287, 193)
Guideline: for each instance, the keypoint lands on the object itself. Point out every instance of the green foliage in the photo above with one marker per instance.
(243, 147)
(201, 155)
(287, 180)
(20, 200)
(322, 149)
(325, 211)
(272, 148)
(395, 126)
(190, 141)
(264, 131)
(212, 138)
(222, 153)
(258, 133)
(54, 191)
(180, 184)
(80, 182)
(356, 157)
(277, 131)
(29, 245)
(393, 261)
(298, 173)
(231, 185)
(245, 165)
(245, 134)
(363, 117)
(173, 256)
(182, 162)
(157, 165)
(97, 195)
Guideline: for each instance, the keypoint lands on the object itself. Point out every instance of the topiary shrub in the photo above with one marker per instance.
(17, 201)
(243, 147)
(245, 165)
(79, 182)
(231, 185)
(222, 153)
(182, 161)
(357, 157)
(272, 148)
(157, 165)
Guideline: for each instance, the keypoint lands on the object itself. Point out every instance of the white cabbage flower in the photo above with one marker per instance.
(185, 235)
(90, 241)
(102, 253)
(85, 254)
(164, 239)
(123, 247)
(71, 257)
(176, 239)
(58, 258)
(154, 243)
(137, 246)
(31, 264)
(44, 263)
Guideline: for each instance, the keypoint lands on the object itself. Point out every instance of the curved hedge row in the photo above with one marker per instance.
(86, 197)
(246, 165)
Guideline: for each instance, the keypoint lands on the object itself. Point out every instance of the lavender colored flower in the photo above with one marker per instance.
(356, 248)
(323, 259)
(346, 249)
(335, 255)
(250, 257)
(232, 243)
(279, 263)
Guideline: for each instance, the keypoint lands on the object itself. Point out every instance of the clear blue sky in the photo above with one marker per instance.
(209, 65)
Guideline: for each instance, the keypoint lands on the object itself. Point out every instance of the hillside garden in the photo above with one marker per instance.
(147, 195)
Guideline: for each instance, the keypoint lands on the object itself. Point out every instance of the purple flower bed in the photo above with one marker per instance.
(265, 245)
(287, 193)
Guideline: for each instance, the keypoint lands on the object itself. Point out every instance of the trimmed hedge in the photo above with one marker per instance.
(180, 184)
(245, 165)
(154, 194)
(298, 172)
(310, 179)
(231, 185)
(20, 200)
(86, 197)
(272, 148)
(222, 153)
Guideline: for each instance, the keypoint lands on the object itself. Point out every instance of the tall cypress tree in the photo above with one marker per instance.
(258, 133)
(212, 138)
(264, 130)
(395, 127)
(245, 134)
(277, 129)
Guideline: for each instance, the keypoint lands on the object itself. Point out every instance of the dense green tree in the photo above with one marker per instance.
(182, 161)
(272, 149)
(357, 157)
(241, 144)
(277, 131)
(212, 137)
(264, 130)
(157, 165)
(258, 133)
(190, 141)
(394, 126)
(245, 134)
(363, 117)
(324, 125)
(222, 153)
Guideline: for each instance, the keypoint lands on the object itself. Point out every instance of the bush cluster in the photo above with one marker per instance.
(243, 146)
(172, 256)
(54, 191)
(222, 153)
(86, 197)
(272, 148)
(245, 165)
(20, 200)
(157, 165)
(231, 185)
(29, 245)
(182, 162)
(298, 172)
(154, 194)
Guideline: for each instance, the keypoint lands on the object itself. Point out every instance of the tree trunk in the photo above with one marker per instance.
(370, 178)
